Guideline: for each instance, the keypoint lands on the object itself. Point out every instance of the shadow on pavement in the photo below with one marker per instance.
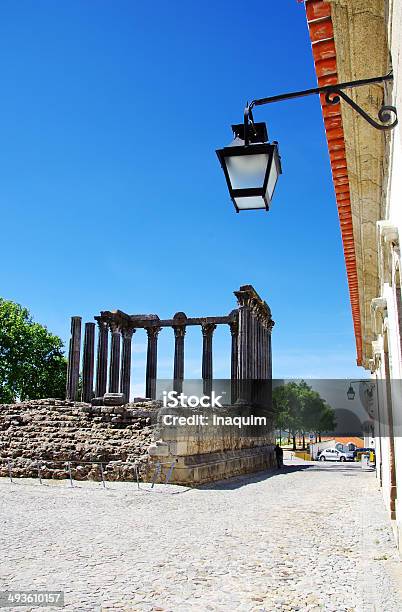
(313, 466)
(241, 481)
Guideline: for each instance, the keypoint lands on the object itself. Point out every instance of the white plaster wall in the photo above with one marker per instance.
(394, 215)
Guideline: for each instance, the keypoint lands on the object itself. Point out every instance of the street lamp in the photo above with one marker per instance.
(351, 393)
(251, 166)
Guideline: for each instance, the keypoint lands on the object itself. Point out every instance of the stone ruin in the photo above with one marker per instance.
(57, 432)
(87, 428)
(250, 327)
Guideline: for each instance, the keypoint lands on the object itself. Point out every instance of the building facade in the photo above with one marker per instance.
(351, 40)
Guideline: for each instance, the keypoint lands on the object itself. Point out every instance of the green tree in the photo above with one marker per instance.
(32, 364)
(288, 408)
(300, 409)
(327, 421)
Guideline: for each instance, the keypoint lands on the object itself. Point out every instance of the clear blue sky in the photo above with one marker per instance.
(111, 193)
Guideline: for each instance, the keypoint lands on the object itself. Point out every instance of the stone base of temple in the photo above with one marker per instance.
(62, 439)
(193, 470)
(208, 446)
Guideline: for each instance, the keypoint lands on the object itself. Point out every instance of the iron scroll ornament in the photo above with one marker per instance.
(384, 114)
(333, 95)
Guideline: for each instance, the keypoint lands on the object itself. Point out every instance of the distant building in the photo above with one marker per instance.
(343, 444)
(359, 39)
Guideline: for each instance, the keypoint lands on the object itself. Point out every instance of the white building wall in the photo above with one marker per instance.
(389, 260)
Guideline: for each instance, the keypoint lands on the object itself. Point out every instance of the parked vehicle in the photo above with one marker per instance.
(362, 450)
(332, 454)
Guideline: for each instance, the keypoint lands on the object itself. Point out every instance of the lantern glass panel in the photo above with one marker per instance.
(273, 177)
(250, 202)
(247, 171)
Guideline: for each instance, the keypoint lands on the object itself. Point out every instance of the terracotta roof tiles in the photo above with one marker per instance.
(324, 54)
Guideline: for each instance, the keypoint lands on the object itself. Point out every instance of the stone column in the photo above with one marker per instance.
(207, 370)
(152, 360)
(269, 349)
(101, 365)
(73, 370)
(234, 331)
(243, 363)
(126, 363)
(88, 363)
(114, 369)
(178, 370)
(264, 349)
(253, 340)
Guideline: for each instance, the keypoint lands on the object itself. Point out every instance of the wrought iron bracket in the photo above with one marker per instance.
(333, 95)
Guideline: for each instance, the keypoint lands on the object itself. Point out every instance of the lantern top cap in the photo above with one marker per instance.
(257, 132)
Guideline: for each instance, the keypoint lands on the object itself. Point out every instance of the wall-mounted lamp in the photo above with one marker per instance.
(252, 165)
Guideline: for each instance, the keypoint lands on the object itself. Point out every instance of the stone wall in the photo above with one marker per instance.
(206, 453)
(58, 431)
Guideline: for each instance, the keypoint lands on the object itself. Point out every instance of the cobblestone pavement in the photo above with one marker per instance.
(311, 537)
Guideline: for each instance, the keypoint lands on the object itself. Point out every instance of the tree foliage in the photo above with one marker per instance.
(300, 409)
(32, 364)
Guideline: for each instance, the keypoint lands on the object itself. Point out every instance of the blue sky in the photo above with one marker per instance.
(111, 193)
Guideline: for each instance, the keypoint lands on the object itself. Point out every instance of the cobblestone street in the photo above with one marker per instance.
(312, 537)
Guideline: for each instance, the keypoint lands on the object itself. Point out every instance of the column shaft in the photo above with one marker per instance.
(178, 369)
(253, 344)
(269, 353)
(152, 361)
(73, 371)
(114, 371)
(88, 363)
(234, 331)
(126, 363)
(264, 351)
(207, 367)
(244, 343)
(101, 364)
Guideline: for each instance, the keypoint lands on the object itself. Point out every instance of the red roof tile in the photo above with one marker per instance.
(324, 53)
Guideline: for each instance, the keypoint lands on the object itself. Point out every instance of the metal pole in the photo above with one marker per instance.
(318, 90)
(102, 475)
(136, 475)
(39, 473)
(69, 471)
(10, 470)
(156, 474)
(169, 474)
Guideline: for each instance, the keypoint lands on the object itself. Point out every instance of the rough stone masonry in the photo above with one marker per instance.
(59, 431)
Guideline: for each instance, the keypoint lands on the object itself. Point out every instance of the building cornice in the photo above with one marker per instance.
(349, 43)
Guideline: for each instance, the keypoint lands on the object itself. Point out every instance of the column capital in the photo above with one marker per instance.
(208, 329)
(234, 327)
(114, 327)
(102, 324)
(254, 307)
(153, 332)
(127, 333)
(179, 331)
